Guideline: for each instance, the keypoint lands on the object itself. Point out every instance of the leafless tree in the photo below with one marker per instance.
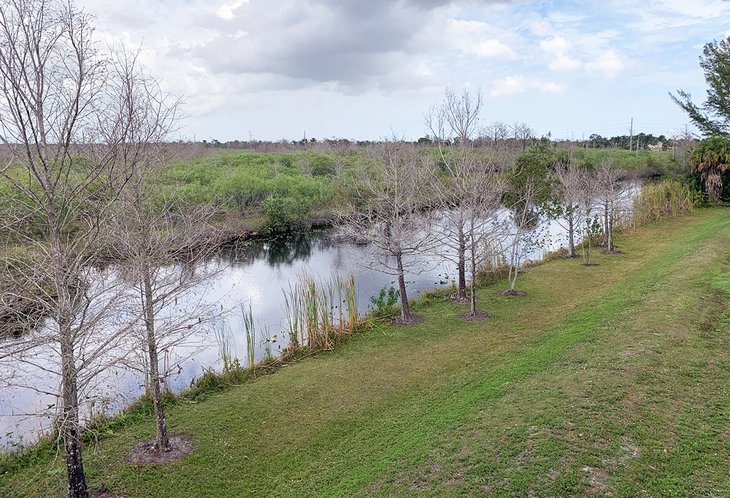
(609, 187)
(496, 134)
(522, 133)
(55, 103)
(682, 142)
(570, 194)
(468, 190)
(389, 212)
(162, 249)
(519, 231)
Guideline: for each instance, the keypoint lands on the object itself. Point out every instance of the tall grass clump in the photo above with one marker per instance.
(250, 330)
(665, 199)
(320, 312)
(225, 347)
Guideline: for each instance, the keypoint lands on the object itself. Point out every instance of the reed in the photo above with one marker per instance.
(665, 199)
(326, 314)
(292, 312)
(310, 305)
(250, 329)
(225, 347)
(318, 312)
(350, 291)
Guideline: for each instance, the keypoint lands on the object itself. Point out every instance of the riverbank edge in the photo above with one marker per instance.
(213, 382)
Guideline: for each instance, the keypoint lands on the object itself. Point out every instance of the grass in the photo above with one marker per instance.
(604, 380)
(641, 161)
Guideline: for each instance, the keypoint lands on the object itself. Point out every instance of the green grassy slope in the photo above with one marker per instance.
(608, 380)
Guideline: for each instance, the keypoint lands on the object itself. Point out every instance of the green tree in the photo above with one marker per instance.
(712, 117)
(711, 159)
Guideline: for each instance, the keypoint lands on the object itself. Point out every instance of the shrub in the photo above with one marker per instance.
(284, 213)
(384, 304)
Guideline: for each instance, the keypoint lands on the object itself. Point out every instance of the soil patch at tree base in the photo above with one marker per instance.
(146, 452)
(512, 293)
(459, 300)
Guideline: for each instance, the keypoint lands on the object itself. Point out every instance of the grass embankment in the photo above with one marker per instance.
(611, 379)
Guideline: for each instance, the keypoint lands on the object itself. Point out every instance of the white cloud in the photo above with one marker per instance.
(552, 87)
(226, 11)
(492, 48)
(541, 28)
(477, 38)
(510, 86)
(564, 63)
(610, 64)
(515, 84)
(557, 45)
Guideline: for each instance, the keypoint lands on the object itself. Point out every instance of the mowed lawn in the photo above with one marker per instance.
(612, 380)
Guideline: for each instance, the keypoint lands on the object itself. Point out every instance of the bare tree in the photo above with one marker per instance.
(522, 133)
(570, 193)
(55, 97)
(452, 123)
(609, 189)
(520, 229)
(496, 134)
(469, 192)
(162, 249)
(389, 214)
(591, 224)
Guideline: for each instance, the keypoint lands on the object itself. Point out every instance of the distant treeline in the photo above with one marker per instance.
(515, 137)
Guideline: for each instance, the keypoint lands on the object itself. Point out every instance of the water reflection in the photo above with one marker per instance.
(255, 273)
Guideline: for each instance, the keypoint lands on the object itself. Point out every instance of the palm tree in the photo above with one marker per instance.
(711, 158)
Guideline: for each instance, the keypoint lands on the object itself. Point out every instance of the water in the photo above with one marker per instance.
(257, 274)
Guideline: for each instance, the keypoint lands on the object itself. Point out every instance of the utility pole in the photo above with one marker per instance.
(631, 135)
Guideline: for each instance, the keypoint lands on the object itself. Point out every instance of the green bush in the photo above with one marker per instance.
(284, 213)
(384, 304)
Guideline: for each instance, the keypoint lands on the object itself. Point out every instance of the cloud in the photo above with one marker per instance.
(477, 38)
(516, 84)
(492, 48)
(564, 63)
(227, 10)
(558, 47)
(347, 43)
(610, 64)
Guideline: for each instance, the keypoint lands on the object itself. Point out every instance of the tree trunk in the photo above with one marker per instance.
(162, 442)
(70, 429)
(512, 278)
(70, 424)
(609, 231)
(405, 310)
(473, 297)
(605, 224)
(571, 237)
(462, 266)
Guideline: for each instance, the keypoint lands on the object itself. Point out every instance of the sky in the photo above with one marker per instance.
(367, 69)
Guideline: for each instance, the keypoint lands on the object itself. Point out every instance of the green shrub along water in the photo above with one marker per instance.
(278, 192)
(288, 189)
(643, 162)
(292, 190)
